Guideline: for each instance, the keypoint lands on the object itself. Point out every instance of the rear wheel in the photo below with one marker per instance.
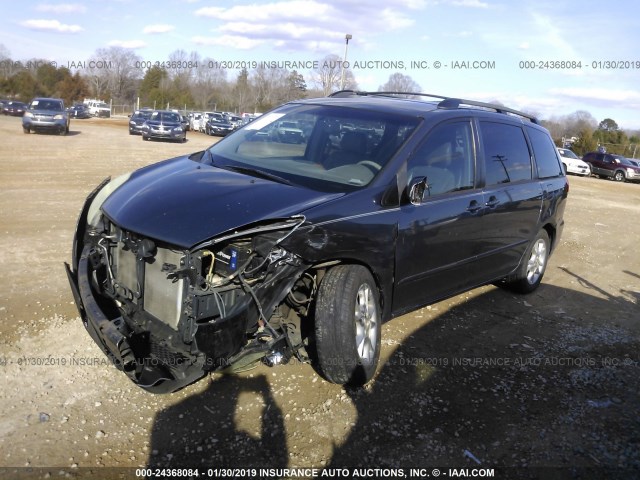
(529, 274)
(347, 325)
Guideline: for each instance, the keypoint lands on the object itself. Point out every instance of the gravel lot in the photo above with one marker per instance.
(545, 385)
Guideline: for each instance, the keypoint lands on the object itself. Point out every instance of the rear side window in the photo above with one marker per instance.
(544, 152)
(506, 154)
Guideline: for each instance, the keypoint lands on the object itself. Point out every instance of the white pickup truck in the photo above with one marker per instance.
(98, 108)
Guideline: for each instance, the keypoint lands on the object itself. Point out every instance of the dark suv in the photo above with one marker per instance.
(608, 165)
(263, 249)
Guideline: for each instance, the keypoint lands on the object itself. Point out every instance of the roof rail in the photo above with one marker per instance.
(358, 93)
(445, 103)
(453, 103)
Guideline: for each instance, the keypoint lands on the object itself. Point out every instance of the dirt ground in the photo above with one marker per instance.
(538, 386)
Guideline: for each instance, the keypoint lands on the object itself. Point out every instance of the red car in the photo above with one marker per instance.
(608, 165)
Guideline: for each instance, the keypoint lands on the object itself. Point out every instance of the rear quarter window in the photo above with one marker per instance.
(544, 152)
(506, 154)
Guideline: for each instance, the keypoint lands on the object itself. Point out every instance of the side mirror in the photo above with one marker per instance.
(416, 189)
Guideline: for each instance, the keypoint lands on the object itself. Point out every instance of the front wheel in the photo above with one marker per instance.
(529, 274)
(347, 325)
(618, 176)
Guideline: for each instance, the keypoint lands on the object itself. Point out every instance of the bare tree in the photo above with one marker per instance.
(207, 83)
(242, 92)
(328, 74)
(7, 67)
(182, 67)
(400, 83)
(269, 86)
(578, 121)
(116, 67)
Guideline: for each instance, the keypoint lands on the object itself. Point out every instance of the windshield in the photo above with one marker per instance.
(165, 117)
(330, 148)
(145, 114)
(626, 161)
(567, 153)
(52, 105)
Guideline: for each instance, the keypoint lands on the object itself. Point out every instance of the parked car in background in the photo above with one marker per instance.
(289, 132)
(235, 121)
(185, 123)
(608, 165)
(13, 108)
(206, 116)
(572, 163)
(261, 250)
(164, 124)
(80, 110)
(216, 125)
(98, 108)
(194, 121)
(46, 114)
(137, 120)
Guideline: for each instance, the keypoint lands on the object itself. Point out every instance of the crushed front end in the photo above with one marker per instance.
(167, 315)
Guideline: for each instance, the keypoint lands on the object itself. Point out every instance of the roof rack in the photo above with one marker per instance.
(445, 103)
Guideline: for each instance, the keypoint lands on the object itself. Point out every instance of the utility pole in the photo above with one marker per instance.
(347, 37)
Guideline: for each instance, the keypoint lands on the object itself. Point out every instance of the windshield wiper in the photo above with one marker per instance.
(257, 173)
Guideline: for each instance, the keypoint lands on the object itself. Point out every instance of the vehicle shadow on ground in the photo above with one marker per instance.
(70, 133)
(203, 430)
(499, 380)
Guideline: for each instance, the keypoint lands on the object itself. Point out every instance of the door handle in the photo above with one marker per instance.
(493, 201)
(474, 206)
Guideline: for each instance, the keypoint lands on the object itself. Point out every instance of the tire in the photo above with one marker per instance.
(63, 131)
(145, 138)
(619, 176)
(529, 274)
(347, 325)
(26, 130)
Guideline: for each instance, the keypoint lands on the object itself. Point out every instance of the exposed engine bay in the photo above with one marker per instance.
(224, 304)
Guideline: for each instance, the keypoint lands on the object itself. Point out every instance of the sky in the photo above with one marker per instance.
(550, 58)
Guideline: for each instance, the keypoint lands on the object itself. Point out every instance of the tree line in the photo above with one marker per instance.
(582, 133)
(184, 80)
(190, 81)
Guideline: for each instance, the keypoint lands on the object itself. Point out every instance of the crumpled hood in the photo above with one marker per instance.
(183, 202)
